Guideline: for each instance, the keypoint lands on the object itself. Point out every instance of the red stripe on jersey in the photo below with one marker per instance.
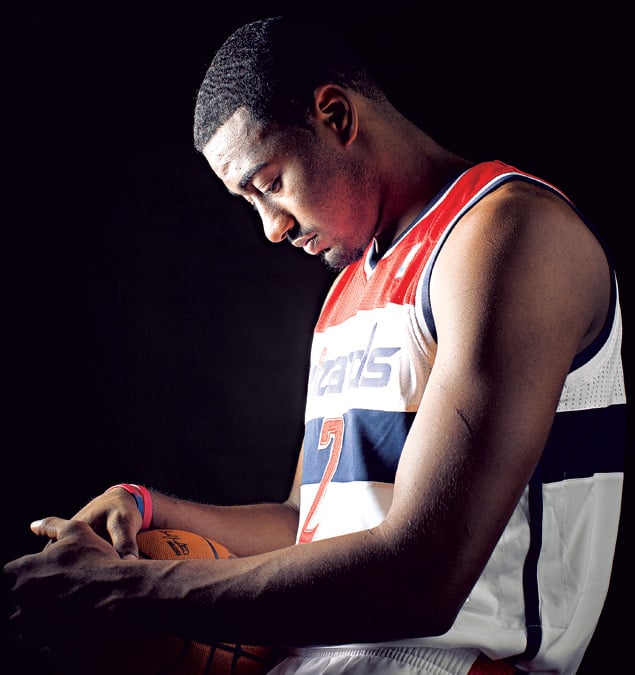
(395, 277)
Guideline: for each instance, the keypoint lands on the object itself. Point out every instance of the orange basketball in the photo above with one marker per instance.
(152, 654)
(178, 544)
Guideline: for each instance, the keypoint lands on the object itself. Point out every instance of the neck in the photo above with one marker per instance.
(417, 168)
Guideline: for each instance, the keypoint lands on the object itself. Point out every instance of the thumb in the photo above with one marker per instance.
(52, 527)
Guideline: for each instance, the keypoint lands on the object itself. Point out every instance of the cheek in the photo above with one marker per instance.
(334, 197)
(334, 192)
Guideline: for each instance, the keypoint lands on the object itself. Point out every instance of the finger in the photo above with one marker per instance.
(123, 534)
(51, 527)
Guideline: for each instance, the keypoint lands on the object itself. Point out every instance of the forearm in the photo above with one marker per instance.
(332, 591)
(245, 530)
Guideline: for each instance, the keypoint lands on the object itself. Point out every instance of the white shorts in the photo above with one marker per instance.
(380, 660)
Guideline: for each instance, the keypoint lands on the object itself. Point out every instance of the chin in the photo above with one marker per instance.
(337, 258)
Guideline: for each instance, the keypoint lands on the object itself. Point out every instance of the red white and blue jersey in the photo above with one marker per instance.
(539, 597)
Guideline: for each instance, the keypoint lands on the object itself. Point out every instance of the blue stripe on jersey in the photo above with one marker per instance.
(372, 444)
(531, 593)
(581, 443)
(584, 442)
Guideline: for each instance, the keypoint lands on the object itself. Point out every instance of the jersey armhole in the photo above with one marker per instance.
(423, 309)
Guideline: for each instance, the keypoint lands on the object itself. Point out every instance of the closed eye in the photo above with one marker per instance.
(275, 186)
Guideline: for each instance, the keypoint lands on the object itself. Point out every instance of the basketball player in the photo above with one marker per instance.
(456, 502)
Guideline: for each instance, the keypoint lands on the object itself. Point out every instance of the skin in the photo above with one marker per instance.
(519, 289)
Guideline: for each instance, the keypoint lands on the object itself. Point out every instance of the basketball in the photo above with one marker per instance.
(152, 654)
(178, 544)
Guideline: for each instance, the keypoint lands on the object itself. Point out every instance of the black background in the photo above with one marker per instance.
(152, 334)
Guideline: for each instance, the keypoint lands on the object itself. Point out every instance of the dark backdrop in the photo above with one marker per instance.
(153, 335)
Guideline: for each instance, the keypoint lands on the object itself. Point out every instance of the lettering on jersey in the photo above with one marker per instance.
(331, 436)
(369, 367)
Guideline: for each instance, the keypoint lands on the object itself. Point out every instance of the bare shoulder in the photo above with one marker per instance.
(522, 209)
(523, 241)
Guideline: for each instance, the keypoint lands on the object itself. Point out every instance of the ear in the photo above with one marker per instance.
(334, 109)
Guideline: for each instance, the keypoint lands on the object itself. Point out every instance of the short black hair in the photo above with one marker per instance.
(272, 67)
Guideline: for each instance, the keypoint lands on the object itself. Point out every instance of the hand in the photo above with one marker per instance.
(57, 589)
(115, 516)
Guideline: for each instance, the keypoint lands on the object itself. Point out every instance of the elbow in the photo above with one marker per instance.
(425, 590)
(429, 621)
(416, 609)
(442, 622)
(435, 617)
(447, 602)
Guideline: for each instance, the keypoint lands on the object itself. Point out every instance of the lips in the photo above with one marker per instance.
(307, 242)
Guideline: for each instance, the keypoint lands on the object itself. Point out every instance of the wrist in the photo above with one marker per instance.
(142, 497)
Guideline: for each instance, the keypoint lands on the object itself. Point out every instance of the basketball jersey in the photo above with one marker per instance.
(539, 597)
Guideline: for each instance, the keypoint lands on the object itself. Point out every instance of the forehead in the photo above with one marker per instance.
(236, 147)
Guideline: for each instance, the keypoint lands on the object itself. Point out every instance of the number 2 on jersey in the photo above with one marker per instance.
(331, 434)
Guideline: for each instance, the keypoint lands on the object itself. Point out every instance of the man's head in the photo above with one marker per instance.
(271, 68)
(278, 120)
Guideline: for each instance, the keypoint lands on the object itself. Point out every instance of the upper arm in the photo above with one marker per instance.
(519, 288)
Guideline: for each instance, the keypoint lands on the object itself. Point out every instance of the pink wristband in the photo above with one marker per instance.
(143, 498)
(147, 506)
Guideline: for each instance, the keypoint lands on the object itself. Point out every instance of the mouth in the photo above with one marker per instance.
(307, 242)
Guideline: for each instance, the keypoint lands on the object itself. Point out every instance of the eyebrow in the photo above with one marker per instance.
(247, 177)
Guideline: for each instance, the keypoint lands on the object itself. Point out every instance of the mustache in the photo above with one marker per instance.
(294, 232)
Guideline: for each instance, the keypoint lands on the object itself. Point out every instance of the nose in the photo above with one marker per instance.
(276, 223)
